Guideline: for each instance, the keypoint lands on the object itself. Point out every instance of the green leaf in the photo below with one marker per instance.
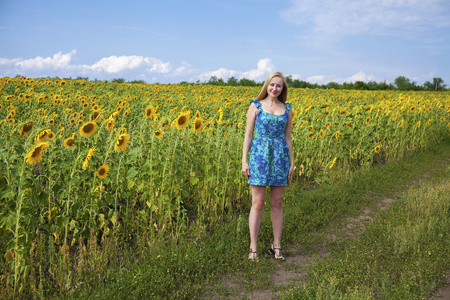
(62, 221)
(8, 220)
(132, 172)
(7, 193)
(194, 180)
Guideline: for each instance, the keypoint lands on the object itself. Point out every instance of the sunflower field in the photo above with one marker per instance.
(136, 161)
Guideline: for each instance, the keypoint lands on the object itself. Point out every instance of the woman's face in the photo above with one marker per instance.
(275, 87)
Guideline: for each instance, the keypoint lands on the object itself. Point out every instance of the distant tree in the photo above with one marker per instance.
(137, 81)
(332, 85)
(212, 80)
(232, 81)
(361, 85)
(437, 84)
(348, 86)
(247, 82)
(404, 83)
(118, 80)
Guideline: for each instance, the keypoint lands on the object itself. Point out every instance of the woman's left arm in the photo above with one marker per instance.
(289, 144)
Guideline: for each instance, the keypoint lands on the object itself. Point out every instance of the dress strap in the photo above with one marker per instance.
(287, 106)
(257, 103)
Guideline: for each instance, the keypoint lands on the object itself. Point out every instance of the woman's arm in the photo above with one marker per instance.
(251, 115)
(287, 135)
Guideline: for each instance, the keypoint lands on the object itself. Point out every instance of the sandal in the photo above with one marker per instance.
(272, 251)
(253, 256)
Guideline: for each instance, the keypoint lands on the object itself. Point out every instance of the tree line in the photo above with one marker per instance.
(400, 83)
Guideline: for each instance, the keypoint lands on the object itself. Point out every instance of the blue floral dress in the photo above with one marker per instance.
(269, 153)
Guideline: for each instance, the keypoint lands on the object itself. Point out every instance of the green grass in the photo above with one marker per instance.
(402, 254)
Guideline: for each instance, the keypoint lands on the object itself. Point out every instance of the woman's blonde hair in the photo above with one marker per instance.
(284, 93)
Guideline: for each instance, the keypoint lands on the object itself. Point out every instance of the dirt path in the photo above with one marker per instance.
(282, 276)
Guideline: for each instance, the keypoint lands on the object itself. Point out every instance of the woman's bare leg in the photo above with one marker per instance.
(254, 222)
(276, 205)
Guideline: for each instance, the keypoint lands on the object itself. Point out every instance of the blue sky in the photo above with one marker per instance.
(169, 41)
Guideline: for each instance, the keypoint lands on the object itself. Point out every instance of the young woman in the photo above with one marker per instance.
(271, 161)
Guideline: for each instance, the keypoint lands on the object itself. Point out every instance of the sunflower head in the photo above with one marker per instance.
(158, 134)
(198, 124)
(88, 129)
(182, 120)
(377, 149)
(69, 143)
(122, 142)
(26, 129)
(102, 172)
(337, 134)
(149, 112)
(42, 136)
(35, 155)
(110, 124)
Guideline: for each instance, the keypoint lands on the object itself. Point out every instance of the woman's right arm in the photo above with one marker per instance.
(251, 116)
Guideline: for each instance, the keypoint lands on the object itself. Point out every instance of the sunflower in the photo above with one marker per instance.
(197, 114)
(377, 149)
(402, 123)
(35, 155)
(158, 134)
(88, 129)
(42, 136)
(321, 133)
(102, 172)
(367, 120)
(182, 120)
(412, 109)
(418, 124)
(110, 124)
(149, 112)
(337, 134)
(310, 135)
(198, 124)
(50, 135)
(442, 119)
(69, 143)
(430, 121)
(94, 115)
(349, 124)
(88, 157)
(122, 142)
(26, 129)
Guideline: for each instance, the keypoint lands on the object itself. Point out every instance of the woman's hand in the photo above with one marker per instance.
(246, 170)
(291, 172)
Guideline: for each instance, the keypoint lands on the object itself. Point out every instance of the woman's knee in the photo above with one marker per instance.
(258, 205)
(276, 203)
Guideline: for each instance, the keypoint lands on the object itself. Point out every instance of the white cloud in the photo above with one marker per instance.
(264, 68)
(117, 64)
(316, 79)
(361, 76)
(411, 18)
(58, 61)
